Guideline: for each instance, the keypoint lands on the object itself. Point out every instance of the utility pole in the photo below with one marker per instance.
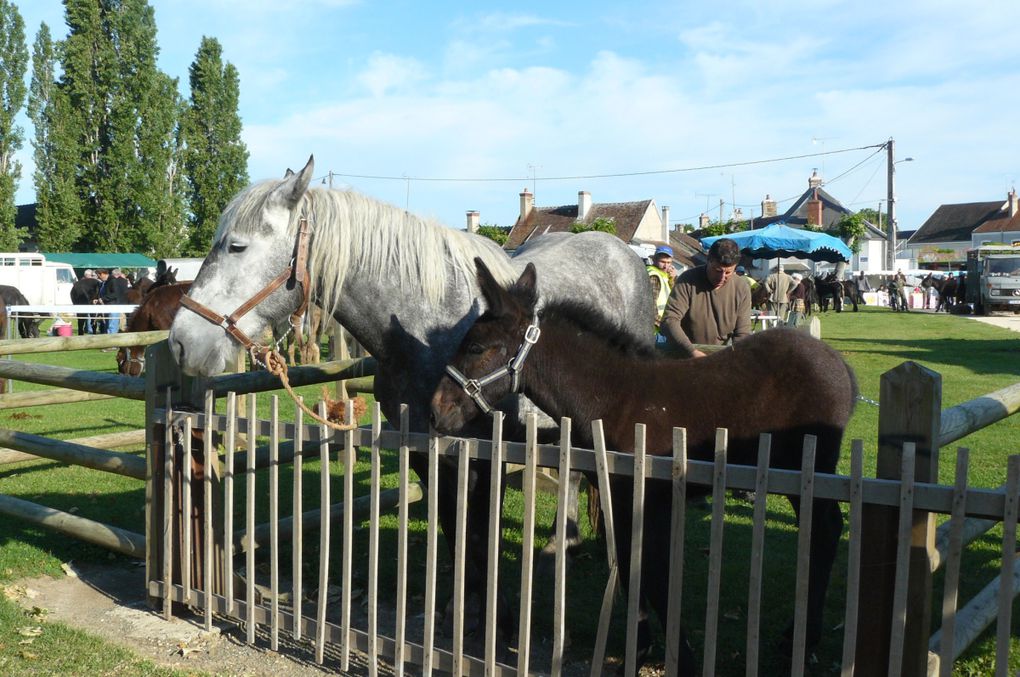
(890, 257)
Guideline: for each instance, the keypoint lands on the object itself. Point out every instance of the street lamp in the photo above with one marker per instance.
(891, 202)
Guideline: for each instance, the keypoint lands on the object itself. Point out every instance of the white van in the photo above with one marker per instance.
(45, 283)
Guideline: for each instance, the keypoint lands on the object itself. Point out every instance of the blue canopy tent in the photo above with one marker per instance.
(779, 240)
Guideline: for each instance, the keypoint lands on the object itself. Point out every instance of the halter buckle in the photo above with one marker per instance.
(472, 388)
(532, 333)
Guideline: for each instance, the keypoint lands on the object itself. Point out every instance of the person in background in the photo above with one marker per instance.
(83, 293)
(798, 300)
(661, 275)
(114, 292)
(705, 307)
(901, 290)
(742, 274)
(779, 286)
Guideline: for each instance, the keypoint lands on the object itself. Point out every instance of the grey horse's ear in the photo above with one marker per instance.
(293, 186)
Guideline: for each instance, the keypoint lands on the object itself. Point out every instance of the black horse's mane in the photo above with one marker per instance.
(592, 320)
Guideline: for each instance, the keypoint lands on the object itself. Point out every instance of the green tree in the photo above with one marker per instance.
(215, 158)
(122, 112)
(852, 229)
(55, 150)
(498, 234)
(13, 65)
(600, 224)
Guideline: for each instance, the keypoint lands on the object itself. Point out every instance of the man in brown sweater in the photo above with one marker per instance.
(705, 306)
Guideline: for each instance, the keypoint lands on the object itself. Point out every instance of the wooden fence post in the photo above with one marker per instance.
(162, 373)
(910, 411)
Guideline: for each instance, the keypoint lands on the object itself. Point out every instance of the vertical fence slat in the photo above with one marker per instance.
(431, 548)
(208, 451)
(896, 641)
(274, 523)
(527, 546)
(715, 551)
(373, 545)
(187, 551)
(228, 502)
(807, 505)
(297, 511)
(853, 558)
(324, 522)
(249, 523)
(951, 582)
(348, 543)
(754, 583)
(606, 503)
(637, 531)
(460, 555)
(168, 509)
(560, 582)
(401, 610)
(676, 551)
(494, 543)
(1006, 592)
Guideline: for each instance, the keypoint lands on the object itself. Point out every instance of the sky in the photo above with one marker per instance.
(444, 107)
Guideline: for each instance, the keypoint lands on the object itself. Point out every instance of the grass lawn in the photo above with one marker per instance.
(973, 358)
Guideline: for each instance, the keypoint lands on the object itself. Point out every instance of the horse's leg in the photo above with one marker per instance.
(547, 557)
(826, 530)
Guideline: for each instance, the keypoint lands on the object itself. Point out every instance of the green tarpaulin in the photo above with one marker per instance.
(99, 260)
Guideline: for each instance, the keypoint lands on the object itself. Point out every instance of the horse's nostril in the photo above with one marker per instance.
(432, 419)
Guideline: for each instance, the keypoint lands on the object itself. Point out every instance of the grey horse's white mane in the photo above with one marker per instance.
(355, 232)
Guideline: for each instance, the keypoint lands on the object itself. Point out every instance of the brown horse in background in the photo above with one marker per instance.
(156, 311)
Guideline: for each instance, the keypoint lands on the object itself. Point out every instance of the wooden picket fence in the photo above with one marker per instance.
(193, 541)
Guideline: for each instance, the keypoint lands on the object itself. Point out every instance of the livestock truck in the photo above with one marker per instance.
(993, 278)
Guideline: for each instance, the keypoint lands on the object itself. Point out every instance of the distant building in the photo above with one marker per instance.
(942, 241)
(818, 207)
(635, 221)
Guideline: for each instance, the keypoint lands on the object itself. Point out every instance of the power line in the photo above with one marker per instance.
(602, 176)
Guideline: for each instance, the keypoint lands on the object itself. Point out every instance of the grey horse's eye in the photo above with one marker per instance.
(236, 247)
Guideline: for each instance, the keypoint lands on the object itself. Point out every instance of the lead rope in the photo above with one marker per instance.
(277, 366)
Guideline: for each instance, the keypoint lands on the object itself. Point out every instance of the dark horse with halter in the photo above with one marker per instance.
(828, 287)
(157, 311)
(808, 387)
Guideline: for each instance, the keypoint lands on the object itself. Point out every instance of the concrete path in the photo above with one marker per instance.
(1011, 322)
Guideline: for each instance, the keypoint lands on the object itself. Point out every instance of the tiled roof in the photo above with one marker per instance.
(1000, 224)
(797, 215)
(541, 220)
(955, 223)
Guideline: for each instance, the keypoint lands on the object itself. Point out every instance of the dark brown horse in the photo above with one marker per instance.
(156, 311)
(828, 287)
(802, 387)
(28, 327)
(143, 286)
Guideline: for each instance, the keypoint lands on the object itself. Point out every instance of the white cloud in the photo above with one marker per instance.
(387, 72)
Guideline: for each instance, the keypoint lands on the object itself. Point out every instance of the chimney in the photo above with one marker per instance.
(814, 181)
(583, 204)
(665, 223)
(703, 221)
(768, 206)
(1014, 206)
(527, 203)
(814, 210)
(472, 221)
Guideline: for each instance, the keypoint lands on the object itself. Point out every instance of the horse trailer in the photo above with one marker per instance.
(42, 282)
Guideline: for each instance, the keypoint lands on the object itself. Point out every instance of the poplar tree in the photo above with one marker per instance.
(216, 159)
(58, 212)
(13, 65)
(123, 109)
